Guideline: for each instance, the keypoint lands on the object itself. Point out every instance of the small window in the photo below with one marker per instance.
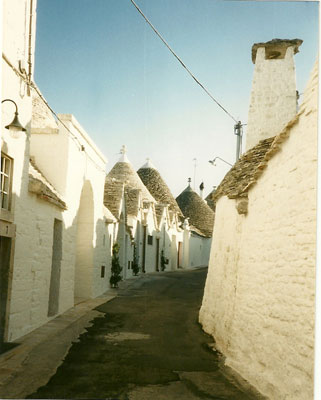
(129, 264)
(102, 272)
(150, 239)
(6, 178)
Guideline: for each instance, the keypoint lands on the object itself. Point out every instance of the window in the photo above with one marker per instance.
(102, 271)
(150, 239)
(5, 173)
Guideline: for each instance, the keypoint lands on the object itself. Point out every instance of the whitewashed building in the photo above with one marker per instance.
(55, 233)
(259, 296)
(198, 228)
(134, 207)
(17, 71)
(169, 236)
(75, 166)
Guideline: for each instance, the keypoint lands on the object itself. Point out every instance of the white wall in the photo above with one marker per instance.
(32, 267)
(199, 250)
(15, 28)
(259, 296)
(79, 174)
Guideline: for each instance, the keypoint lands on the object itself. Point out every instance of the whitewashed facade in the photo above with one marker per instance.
(259, 295)
(14, 187)
(55, 233)
(76, 167)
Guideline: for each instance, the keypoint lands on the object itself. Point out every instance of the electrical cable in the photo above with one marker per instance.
(34, 87)
(180, 61)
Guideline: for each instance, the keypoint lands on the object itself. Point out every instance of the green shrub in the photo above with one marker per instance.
(115, 267)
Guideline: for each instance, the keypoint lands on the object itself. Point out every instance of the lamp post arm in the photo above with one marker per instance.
(222, 160)
(11, 102)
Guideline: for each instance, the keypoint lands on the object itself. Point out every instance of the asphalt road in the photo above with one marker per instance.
(147, 345)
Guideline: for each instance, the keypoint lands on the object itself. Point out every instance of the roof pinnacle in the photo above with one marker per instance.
(123, 157)
(148, 164)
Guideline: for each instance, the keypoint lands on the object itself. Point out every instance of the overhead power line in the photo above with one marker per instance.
(32, 85)
(180, 61)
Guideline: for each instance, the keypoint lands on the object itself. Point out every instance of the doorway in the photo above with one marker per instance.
(144, 249)
(5, 252)
(157, 255)
(54, 289)
(180, 255)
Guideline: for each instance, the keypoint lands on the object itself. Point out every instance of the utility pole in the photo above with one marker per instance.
(238, 131)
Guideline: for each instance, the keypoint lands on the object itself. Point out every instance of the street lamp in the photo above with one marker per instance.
(15, 127)
(213, 161)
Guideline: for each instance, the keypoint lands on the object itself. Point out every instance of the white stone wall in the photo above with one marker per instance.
(15, 30)
(32, 266)
(259, 296)
(273, 97)
(78, 173)
(199, 251)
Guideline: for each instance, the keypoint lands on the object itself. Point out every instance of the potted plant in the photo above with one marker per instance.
(135, 266)
(115, 267)
(164, 261)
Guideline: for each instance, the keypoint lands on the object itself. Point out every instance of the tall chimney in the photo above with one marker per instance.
(273, 97)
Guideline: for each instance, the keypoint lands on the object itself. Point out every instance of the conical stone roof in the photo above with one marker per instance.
(124, 172)
(157, 186)
(200, 215)
(243, 173)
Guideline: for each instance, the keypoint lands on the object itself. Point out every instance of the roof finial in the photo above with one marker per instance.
(189, 182)
(123, 157)
(148, 164)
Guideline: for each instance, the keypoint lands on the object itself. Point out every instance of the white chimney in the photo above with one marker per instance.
(273, 97)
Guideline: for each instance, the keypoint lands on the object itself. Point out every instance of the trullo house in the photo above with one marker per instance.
(169, 217)
(259, 296)
(134, 207)
(198, 228)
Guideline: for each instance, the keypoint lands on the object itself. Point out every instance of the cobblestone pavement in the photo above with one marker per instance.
(147, 344)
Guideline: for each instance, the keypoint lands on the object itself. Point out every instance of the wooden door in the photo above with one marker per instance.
(157, 254)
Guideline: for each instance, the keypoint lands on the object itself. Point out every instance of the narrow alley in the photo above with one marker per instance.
(148, 344)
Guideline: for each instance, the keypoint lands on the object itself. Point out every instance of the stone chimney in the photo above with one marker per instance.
(273, 97)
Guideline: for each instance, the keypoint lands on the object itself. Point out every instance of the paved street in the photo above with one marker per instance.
(146, 344)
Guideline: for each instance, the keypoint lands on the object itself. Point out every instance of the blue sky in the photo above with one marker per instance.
(99, 60)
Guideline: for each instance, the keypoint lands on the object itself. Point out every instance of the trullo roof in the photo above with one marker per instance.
(124, 179)
(200, 215)
(157, 186)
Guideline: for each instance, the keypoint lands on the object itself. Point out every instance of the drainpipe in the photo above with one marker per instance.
(30, 45)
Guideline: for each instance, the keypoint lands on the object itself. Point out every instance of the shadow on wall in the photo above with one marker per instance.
(85, 243)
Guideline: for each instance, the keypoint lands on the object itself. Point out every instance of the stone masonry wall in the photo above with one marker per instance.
(272, 106)
(259, 295)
